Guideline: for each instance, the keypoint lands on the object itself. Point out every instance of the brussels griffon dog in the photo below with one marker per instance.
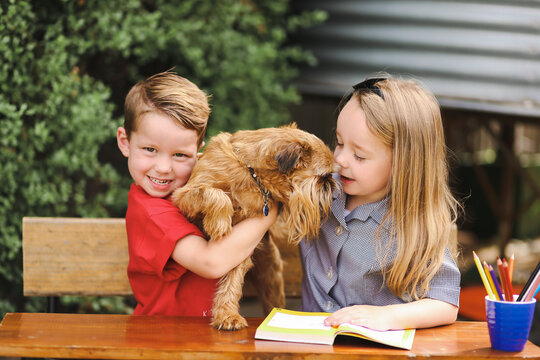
(242, 175)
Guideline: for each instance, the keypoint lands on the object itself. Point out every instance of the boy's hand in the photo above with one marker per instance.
(274, 211)
(272, 214)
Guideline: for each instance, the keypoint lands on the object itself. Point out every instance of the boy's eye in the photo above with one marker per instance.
(149, 149)
(180, 155)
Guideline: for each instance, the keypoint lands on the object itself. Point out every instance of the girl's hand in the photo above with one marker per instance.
(414, 315)
(373, 317)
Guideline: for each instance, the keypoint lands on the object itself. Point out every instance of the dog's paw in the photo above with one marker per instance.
(218, 230)
(230, 322)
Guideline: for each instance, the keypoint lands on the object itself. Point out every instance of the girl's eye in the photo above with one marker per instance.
(357, 157)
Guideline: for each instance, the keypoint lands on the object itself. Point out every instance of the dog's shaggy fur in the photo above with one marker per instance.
(295, 167)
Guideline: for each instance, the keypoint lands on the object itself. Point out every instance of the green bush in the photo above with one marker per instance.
(65, 67)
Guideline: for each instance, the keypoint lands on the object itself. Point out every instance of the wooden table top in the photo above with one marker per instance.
(159, 337)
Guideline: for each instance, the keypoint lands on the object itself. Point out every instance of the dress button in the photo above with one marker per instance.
(329, 305)
(330, 273)
(339, 230)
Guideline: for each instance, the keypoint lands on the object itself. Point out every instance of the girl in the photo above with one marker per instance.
(384, 256)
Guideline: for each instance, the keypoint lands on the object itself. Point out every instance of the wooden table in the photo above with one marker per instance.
(157, 337)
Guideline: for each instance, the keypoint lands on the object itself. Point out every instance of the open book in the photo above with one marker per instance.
(308, 327)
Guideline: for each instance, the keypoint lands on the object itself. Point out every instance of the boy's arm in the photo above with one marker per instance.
(213, 259)
(414, 315)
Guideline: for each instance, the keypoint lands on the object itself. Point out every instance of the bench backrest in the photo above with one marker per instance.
(74, 256)
(89, 256)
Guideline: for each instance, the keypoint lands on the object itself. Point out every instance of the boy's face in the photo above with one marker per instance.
(161, 153)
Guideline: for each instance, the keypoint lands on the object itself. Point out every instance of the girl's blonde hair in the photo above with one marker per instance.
(422, 210)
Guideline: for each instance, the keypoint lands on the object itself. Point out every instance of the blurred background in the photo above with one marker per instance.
(66, 66)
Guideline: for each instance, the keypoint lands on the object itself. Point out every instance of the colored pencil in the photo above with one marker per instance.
(532, 289)
(511, 267)
(495, 283)
(483, 276)
(510, 295)
(490, 280)
(502, 278)
(529, 282)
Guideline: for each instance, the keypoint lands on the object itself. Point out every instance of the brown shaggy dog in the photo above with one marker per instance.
(236, 177)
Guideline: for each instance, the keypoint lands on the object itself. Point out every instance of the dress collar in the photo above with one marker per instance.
(376, 210)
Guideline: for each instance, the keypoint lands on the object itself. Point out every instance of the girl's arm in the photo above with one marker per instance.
(213, 259)
(414, 315)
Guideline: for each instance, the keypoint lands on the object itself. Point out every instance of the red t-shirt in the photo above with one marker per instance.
(161, 285)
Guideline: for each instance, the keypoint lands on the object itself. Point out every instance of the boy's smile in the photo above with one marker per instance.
(159, 182)
(161, 154)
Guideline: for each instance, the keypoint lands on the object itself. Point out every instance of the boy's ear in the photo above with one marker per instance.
(199, 152)
(122, 140)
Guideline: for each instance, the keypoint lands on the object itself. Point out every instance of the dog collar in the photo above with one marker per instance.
(264, 191)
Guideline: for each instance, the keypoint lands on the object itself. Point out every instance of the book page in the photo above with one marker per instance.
(291, 321)
(387, 335)
(298, 326)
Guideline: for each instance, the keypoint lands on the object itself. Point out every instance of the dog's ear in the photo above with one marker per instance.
(291, 156)
(289, 126)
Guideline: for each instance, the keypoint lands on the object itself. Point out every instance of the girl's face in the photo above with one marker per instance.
(365, 162)
(161, 153)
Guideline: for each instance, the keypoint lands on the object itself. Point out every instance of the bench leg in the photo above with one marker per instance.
(52, 302)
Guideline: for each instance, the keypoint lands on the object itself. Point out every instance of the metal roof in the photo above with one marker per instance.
(479, 55)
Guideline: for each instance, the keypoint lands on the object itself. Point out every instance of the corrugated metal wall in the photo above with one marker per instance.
(477, 55)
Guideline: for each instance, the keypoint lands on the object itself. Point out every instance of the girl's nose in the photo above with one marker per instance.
(339, 158)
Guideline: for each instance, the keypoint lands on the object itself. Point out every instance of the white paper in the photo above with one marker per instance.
(290, 321)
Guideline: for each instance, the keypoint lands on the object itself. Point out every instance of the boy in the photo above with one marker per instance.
(173, 269)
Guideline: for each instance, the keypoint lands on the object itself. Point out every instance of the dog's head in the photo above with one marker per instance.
(297, 167)
(308, 164)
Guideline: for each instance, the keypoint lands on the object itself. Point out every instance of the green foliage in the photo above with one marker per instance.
(65, 67)
(95, 304)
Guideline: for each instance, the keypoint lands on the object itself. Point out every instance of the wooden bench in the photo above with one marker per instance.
(89, 256)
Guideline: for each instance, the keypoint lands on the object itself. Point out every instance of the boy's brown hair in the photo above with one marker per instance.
(171, 95)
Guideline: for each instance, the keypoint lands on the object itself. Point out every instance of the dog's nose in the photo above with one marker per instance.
(328, 182)
(326, 177)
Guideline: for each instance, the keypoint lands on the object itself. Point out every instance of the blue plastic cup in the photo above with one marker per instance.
(509, 323)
